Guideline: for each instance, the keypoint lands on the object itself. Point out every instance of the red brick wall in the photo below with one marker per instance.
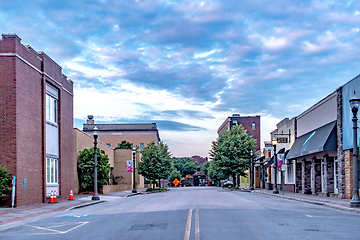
(8, 113)
(29, 138)
(22, 109)
(246, 122)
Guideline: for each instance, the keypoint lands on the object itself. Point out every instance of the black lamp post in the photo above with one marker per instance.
(251, 171)
(134, 152)
(274, 142)
(355, 201)
(95, 196)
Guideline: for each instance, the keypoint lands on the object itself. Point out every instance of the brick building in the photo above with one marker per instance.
(250, 123)
(112, 134)
(36, 113)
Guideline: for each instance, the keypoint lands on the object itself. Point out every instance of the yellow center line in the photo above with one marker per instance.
(188, 226)
(197, 227)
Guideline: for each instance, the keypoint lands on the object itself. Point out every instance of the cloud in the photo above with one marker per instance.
(193, 62)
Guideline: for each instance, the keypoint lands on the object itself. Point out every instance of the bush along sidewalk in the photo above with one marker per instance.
(4, 185)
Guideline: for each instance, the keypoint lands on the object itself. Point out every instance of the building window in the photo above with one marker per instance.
(51, 109)
(290, 173)
(253, 126)
(234, 122)
(109, 144)
(51, 171)
(142, 145)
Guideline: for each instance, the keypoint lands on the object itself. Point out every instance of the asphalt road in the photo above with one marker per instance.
(194, 213)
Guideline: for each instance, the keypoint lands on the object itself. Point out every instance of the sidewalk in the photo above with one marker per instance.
(9, 217)
(336, 203)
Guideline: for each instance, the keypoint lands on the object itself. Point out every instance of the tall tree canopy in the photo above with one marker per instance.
(184, 165)
(155, 162)
(231, 153)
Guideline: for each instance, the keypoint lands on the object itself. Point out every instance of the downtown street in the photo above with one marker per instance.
(193, 213)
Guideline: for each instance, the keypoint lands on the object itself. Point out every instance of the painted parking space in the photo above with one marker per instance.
(44, 228)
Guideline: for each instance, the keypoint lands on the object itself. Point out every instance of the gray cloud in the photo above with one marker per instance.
(276, 54)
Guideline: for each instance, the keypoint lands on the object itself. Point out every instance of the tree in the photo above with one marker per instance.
(214, 172)
(155, 161)
(175, 174)
(204, 168)
(86, 169)
(231, 152)
(4, 184)
(184, 165)
(124, 145)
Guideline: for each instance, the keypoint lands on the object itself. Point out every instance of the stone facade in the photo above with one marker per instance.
(340, 154)
(298, 179)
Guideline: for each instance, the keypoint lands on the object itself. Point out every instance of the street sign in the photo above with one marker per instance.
(282, 139)
(176, 182)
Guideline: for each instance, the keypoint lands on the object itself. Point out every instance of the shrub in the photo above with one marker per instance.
(149, 189)
(86, 169)
(4, 185)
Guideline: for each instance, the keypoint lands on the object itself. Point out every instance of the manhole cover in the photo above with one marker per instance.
(158, 226)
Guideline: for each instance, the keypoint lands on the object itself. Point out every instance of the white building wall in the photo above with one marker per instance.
(318, 115)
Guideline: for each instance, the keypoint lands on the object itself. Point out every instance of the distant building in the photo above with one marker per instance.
(139, 134)
(199, 178)
(250, 123)
(36, 113)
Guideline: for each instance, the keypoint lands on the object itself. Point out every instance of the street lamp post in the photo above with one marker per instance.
(134, 152)
(355, 201)
(274, 142)
(95, 196)
(251, 170)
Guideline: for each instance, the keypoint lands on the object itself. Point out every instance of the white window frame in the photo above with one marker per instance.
(52, 170)
(290, 173)
(51, 109)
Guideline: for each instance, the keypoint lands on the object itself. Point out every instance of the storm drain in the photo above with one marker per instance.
(158, 226)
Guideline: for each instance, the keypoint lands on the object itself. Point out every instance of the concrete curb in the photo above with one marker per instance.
(85, 205)
(139, 193)
(348, 209)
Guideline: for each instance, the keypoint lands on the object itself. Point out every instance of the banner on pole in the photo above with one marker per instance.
(280, 160)
(129, 166)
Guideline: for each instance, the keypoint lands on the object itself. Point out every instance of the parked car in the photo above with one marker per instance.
(228, 183)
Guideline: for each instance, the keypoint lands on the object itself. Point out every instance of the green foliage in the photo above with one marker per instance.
(175, 174)
(149, 189)
(215, 173)
(5, 180)
(155, 162)
(204, 168)
(86, 169)
(124, 145)
(184, 165)
(231, 153)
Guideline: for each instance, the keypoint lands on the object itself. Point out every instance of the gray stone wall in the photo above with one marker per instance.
(298, 179)
(340, 153)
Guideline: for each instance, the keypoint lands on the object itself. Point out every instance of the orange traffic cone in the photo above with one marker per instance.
(51, 197)
(55, 199)
(71, 197)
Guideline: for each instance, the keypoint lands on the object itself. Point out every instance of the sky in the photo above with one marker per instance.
(188, 65)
